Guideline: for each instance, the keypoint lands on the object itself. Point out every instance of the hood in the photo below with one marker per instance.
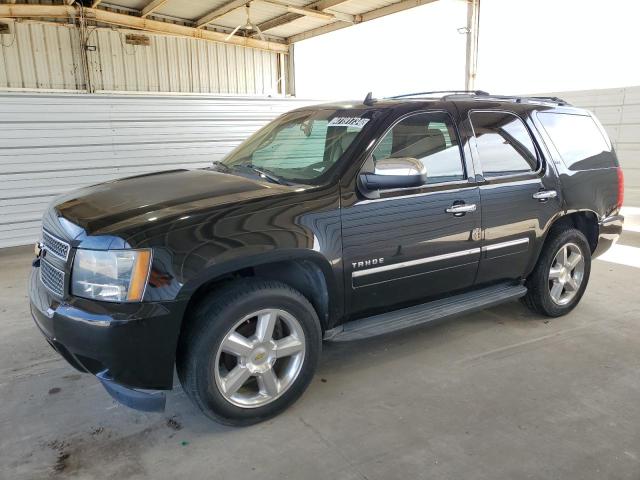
(109, 207)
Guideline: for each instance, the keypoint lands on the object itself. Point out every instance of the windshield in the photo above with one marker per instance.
(299, 147)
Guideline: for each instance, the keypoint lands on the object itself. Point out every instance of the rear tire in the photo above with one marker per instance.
(560, 277)
(249, 351)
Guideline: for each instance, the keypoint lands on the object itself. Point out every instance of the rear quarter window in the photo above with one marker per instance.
(578, 139)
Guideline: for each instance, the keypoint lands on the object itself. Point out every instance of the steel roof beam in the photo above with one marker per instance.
(365, 17)
(299, 10)
(152, 6)
(219, 12)
(320, 6)
(134, 22)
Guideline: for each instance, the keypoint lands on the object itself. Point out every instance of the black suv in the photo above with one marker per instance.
(337, 222)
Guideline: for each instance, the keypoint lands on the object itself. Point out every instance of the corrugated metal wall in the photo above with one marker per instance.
(47, 56)
(52, 143)
(39, 55)
(618, 109)
(175, 64)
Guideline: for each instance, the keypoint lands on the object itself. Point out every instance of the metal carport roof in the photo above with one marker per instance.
(275, 24)
(282, 22)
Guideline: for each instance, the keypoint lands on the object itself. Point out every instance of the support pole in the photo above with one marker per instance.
(291, 72)
(84, 57)
(473, 31)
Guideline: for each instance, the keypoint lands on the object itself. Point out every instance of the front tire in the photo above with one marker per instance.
(560, 278)
(249, 351)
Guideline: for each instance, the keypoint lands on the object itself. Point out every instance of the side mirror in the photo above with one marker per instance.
(402, 172)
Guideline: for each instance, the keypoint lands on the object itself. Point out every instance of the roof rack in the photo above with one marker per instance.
(521, 99)
(557, 100)
(472, 92)
(484, 95)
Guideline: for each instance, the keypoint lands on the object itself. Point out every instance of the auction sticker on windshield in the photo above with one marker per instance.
(348, 122)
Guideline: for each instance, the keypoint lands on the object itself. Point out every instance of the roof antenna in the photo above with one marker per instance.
(369, 100)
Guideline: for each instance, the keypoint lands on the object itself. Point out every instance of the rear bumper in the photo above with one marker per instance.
(610, 229)
(129, 347)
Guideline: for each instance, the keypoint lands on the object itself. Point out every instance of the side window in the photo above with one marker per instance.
(578, 140)
(504, 144)
(430, 138)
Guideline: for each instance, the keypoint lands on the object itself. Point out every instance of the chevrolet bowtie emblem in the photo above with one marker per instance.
(38, 249)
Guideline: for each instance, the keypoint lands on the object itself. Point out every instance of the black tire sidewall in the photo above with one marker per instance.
(209, 398)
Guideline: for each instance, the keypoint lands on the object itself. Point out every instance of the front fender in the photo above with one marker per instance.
(241, 260)
(262, 256)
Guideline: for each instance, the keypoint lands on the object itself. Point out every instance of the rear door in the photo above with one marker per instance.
(412, 244)
(519, 193)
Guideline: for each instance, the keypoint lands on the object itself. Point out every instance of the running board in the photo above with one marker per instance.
(425, 313)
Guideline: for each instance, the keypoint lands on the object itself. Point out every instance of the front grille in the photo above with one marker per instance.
(52, 278)
(55, 246)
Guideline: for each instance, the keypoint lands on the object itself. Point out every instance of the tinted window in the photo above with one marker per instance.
(504, 144)
(578, 140)
(428, 137)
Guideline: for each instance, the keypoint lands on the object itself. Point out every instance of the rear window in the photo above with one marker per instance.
(578, 140)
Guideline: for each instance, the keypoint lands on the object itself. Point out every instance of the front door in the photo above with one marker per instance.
(412, 245)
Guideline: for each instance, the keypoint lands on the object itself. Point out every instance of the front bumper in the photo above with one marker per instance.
(610, 229)
(129, 347)
(145, 400)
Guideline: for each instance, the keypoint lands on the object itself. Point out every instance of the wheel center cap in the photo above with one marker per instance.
(259, 355)
(261, 359)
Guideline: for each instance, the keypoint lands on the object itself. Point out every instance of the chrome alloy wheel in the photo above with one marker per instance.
(566, 274)
(260, 358)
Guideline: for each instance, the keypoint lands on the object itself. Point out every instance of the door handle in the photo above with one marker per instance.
(461, 208)
(544, 195)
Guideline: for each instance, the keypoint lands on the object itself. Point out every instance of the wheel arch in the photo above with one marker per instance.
(306, 271)
(587, 221)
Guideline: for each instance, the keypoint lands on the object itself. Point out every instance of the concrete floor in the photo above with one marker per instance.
(501, 394)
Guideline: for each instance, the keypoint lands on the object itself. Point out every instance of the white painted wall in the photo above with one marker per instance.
(559, 45)
(524, 46)
(412, 51)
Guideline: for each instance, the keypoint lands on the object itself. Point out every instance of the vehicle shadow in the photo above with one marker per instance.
(436, 334)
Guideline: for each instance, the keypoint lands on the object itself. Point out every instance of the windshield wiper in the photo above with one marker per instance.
(272, 177)
(218, 165)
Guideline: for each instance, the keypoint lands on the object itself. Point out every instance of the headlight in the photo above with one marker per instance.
(110, 275)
